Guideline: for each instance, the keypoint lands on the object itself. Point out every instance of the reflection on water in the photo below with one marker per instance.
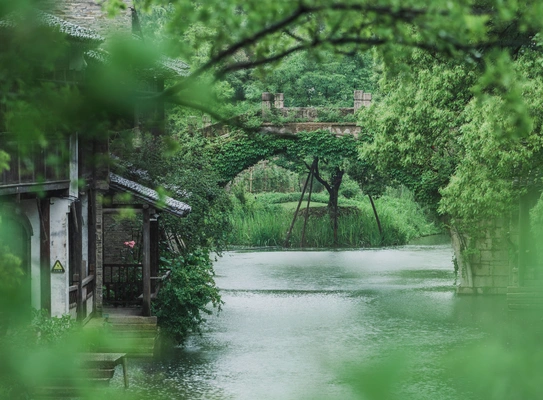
(308, 324)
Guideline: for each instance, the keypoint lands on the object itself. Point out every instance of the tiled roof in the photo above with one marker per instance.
(165, 66)
(89, 14)
(86, 17)
(174, 66)
(42, 18)
(72, 30)
(149, 196)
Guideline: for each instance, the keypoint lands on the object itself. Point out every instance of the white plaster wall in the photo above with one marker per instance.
(60, 252)
(74, 169)
(90, 305)
(30, 208)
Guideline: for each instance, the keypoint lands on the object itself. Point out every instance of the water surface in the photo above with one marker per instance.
(328, 325)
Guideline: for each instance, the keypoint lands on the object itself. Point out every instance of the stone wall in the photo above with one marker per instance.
(487, 268)
(118, 229)
(274, 103)
(312, 113)
(338, 128)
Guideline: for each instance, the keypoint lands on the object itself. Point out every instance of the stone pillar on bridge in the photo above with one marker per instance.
(267, 103)
(361, 99)
(279, 100)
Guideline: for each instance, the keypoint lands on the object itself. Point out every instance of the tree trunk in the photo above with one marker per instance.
(333, 211)
(333, 208)
(309, 175)
(333, 192)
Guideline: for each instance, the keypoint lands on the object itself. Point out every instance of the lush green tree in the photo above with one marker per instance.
(320, 151)
(410, 132)
(440, 61)
(327, 156)
(229, 36)
(308, 80)
(461, 150)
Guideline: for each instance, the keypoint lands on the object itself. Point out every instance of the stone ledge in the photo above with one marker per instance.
(481, 290)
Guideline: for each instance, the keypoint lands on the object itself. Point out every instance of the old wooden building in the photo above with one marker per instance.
(52, 213)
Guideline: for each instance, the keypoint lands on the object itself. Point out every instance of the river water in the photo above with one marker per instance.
(354, 324)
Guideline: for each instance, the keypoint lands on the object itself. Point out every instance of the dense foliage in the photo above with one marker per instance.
(467, 152)
(308, 80)
(185, 298)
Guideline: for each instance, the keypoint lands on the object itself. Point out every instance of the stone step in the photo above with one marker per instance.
(129, 327)
(130, 319)
(132, 341)
(136, 352)
(131, 334)
(132, 348)
(145, 333)
(101, 360)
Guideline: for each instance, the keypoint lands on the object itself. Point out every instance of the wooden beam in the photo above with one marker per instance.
(98, 249)
(154, 247)
(289, 232)
(146, 267)
(311, 171)
(80, 267)
(45, 255)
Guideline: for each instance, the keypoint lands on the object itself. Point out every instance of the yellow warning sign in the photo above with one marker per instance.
(57, 268)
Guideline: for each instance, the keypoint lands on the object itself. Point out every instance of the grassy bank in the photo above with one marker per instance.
(264, 219)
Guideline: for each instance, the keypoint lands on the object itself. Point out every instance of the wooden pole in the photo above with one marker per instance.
(80, 266)
(45, 254)
(154, 247)
(311, 171)
(289, 232)
(146, 264)
(376, 217)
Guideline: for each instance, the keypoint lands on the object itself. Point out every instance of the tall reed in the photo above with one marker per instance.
(257, 223)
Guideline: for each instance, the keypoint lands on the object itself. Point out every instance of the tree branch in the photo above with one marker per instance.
(317, 175)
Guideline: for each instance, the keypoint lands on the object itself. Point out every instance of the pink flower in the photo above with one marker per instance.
(130, 244)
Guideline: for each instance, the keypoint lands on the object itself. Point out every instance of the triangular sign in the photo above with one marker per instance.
(57, 268)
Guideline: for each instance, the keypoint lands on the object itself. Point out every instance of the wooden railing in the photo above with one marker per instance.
(87, 291)
(123, 283)
(31, 164)
(88, 284)
(72, 296)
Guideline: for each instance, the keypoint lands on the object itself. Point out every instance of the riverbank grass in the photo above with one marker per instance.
(264, 219)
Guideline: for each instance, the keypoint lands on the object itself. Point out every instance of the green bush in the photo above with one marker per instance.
(184, 299)
(349, 189)
(51, 330)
